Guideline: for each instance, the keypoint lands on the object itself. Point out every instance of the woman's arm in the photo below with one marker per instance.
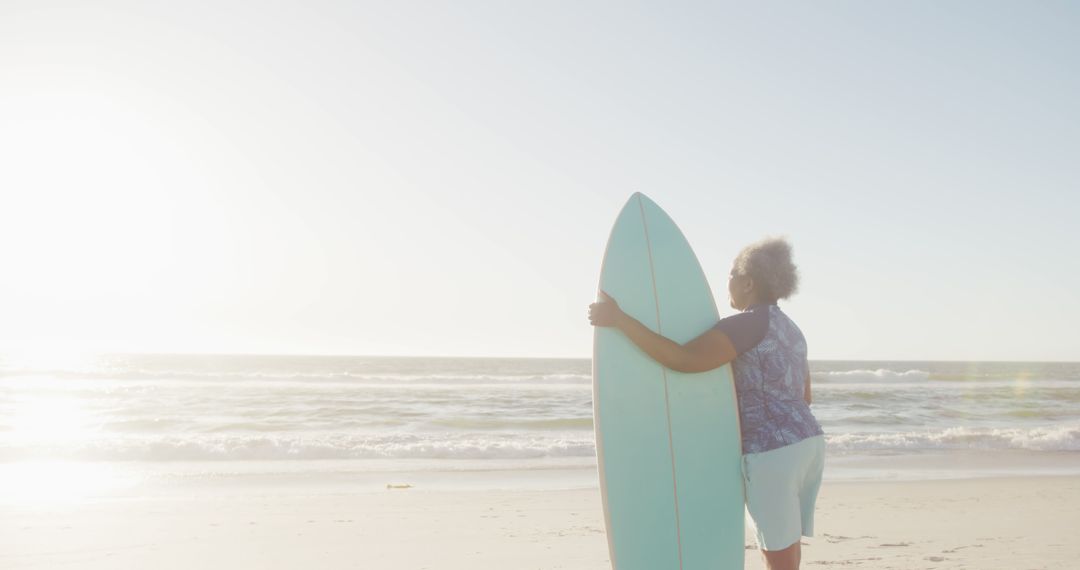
(712, 349)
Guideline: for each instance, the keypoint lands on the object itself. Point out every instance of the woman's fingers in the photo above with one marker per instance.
(603, 314)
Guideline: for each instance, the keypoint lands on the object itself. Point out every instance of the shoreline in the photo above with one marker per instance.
(1018, 522)
(26, 481)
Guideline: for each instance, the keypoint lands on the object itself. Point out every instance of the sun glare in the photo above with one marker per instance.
(28, 359)
(44, 483)
(44, 421)
(40, 430)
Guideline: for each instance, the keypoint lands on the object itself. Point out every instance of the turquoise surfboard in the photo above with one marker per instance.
(667, 443)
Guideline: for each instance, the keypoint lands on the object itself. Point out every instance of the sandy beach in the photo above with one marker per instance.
(1013, 523)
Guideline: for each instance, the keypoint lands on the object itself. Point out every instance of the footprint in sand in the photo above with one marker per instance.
(852, 561)
(835, 538)
(952, 550)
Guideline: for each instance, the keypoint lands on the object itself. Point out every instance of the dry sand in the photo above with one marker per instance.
(1007, 523)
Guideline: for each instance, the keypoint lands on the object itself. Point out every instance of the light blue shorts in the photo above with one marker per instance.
(781, 489)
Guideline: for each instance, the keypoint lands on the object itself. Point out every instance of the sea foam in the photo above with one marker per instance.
(1063, 437)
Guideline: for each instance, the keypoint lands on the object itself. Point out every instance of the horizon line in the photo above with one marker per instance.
(16, 353)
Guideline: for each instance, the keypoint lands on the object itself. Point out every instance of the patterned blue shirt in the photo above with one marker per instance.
(770, 378)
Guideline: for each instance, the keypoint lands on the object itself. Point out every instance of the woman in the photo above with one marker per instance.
(782, 443)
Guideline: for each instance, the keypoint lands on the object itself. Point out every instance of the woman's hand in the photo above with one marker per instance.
(711, 349)
(605, 313)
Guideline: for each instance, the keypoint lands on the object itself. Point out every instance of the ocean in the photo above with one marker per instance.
(223, 414)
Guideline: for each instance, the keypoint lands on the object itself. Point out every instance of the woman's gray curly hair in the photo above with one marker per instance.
(768, 263)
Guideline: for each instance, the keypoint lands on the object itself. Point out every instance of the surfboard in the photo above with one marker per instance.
(667, 443)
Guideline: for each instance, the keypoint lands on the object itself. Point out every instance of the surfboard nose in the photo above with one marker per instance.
(639, 196)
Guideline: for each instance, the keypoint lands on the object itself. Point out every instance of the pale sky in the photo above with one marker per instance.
(440, 178)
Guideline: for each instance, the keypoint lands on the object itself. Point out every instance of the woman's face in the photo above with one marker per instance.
(740, 288)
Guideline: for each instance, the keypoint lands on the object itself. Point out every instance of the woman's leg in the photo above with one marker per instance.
(786, 559)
